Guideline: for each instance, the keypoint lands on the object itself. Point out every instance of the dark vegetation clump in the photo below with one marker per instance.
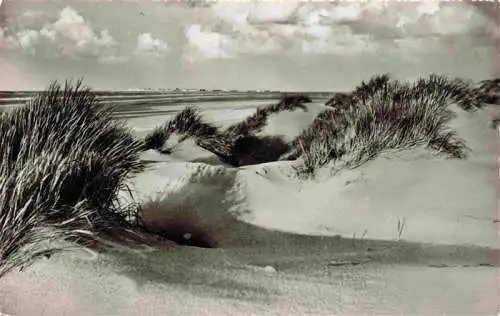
(321, 125)
(385, 115)
(381, 114)
(257, 121)
(189, 124)
(491, 90)
(340, 101)
(237, 145)
(156, 139)
(490, 86)
(64, 161)
(444, 91)
(248, 147)
(251, 149)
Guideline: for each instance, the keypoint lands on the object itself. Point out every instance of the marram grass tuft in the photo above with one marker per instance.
(382, 115)
(64, 161)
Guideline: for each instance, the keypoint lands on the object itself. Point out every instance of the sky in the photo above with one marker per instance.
(277, 45)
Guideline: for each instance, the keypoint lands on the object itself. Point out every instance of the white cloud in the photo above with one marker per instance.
(271, 27)
(425, 18)
(105, 39)
(339, 13)
(207, 44)
(70, 34)
(48, 32)
(28, 39)
(255, 12)
(272, 12)
(340, 40)
(337, 28)
(147, 45)
(73, 36)
(429, 7)
(72, 28)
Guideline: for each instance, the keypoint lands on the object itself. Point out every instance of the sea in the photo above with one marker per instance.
(133, 104)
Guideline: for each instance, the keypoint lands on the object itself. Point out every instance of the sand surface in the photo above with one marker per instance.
(261, 280)
(290, 247)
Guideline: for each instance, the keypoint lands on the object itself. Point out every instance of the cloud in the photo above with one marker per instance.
(149, 46)
(7, 41)
(75, 35)
(70, 35)
(255, 12)
(207, 44)
(336, 28)
(426, 18)
(27, 39)
(272, 12)
(73, 26)
(48, 33)
(278, 27)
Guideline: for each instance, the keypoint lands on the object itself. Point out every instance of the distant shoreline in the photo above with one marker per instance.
(126, 98)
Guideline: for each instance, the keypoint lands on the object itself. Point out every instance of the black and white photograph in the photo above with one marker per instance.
(277, 157)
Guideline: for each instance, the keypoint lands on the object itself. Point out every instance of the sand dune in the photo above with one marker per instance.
(425, 192)
(289, 246)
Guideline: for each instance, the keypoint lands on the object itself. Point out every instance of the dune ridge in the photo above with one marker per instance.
(382, 123)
